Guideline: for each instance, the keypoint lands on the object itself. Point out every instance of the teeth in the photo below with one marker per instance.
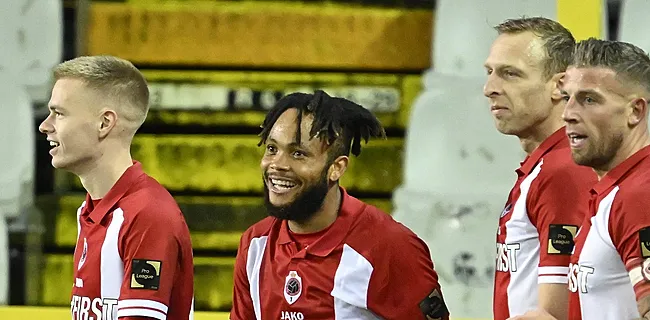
(575, 139)
(54, 144)
(283, 183)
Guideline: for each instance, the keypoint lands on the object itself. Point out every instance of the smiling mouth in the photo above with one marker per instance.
(53, 146)
(281, 185)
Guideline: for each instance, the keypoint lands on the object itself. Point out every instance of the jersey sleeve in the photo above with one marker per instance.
(556, 208)
(404, 284)
(629, 227)
(242, 304)
(150, 253)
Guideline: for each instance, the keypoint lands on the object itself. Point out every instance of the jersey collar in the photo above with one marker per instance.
(330, 240)
(131, 175)
(617, 174)
(556, 140)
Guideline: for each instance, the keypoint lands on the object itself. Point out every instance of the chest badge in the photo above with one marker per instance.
(84, 254)
(292, 287)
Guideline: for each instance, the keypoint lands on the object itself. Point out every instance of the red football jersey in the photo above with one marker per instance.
(537, 225)
(364, 266)
(610, 267)
(133, 256)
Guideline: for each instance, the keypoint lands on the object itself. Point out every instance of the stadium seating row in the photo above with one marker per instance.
(216, 222)
(239, 98)
(262, 35)
(230, 164)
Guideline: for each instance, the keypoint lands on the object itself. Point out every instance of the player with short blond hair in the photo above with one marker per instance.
(541, 215)
(133, 257)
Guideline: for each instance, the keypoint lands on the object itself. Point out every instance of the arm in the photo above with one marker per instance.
(629, 227)
(638, 266)
(150, 252)
(560, 203)
(643, 304)
(404, 285)
(242, 304)
(534, 315)
(639, 271)
(554, 298)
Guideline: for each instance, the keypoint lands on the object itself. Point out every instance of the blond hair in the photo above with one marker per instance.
(115, 79)
(558, 41)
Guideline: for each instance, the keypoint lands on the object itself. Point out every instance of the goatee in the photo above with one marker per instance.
(306, 204)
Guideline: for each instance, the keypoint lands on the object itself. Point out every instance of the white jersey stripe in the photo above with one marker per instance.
(553, 279)
(351, 282)
(352, 278)
(253, 266)
(83, 204)
(553, 270)
(191, 316)
(635, 275)
(137, 312)
(521, 232)
(112, 267)
(142, 303)
(601, 274)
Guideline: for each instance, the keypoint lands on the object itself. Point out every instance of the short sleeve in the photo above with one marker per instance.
(242, 304)
(150, 252)
(629, 227)
(557, 208)
(404, 284)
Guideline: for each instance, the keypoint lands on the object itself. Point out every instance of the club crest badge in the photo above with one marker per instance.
(292, 287)
(84, 254)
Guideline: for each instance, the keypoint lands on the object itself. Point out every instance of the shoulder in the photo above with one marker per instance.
(632, 198)
(559, 163)
(558, 168)
(149, 204)
(629, 208)
(259, 230)
(389, 236)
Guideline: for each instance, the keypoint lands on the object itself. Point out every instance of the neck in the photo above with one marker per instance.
(631, 145)
(541, 131)
(104, 173)
(324, 217)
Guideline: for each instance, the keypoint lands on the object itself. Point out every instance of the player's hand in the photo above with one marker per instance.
(534, 315)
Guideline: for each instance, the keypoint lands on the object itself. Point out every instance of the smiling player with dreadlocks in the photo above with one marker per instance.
(321, 253)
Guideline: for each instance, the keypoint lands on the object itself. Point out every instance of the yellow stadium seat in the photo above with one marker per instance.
(244, 34)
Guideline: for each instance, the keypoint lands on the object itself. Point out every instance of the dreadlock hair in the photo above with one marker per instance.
(340, 122)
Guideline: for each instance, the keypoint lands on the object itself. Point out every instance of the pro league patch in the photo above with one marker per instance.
(561, 238)
(145, 274)
(644, 242)
(433, 306)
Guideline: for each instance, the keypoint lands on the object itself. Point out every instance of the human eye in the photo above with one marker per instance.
(271, 149)
(298, 154)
